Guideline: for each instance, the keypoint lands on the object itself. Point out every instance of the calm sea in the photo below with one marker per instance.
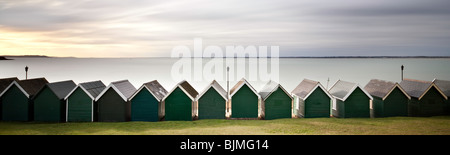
(291, 71)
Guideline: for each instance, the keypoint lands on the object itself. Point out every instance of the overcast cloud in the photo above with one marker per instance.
(99, 28)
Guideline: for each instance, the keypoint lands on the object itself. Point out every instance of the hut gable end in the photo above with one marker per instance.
(418, 88)
(382, 89)
(123, 88)
(186, 88)
(216, 86)
(92, 89)
(269, 88)
(241, 83)
(307, 87)
(343, 89)
(155, 89)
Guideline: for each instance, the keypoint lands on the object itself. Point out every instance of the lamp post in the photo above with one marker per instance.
(26, 72)
(402, 67)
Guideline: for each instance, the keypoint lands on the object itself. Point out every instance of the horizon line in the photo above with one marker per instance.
(46, 56)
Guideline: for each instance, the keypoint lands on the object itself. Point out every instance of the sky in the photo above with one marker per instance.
(147, 28)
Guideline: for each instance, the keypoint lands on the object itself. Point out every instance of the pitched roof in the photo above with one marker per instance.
(306, 87)
(28, 87)
(123, 87)
(343, 89)
(32, 86)
(269, 88)
(62, 88)
(4, 83)
(415, 88)
(239, 85)
(94, 88)
(443, 85)
(216, 86)
(186, 88)
(189, 89)
(154, 88)
(381, 88)
(418, 88)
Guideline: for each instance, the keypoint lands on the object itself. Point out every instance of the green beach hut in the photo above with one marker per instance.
(276, 102)
(444, 86)
(49, 104)
(112, 102)
(349, 100)
(426, 98)
(80, 101)
(212, 102)
(180, 103)
(389, 98)
(16, 99)
(146, 103)
(244, 101)
(311, 100)
(4, 83)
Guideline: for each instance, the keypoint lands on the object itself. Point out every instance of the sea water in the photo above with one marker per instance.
(291, 71)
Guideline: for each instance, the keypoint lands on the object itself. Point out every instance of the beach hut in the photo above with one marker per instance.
(80, 101)
(49, 104)
(444, 86)
(349, 100)
(16, 99)
(276, 102)
(112, 102)
(180, 102)
(146, 102)
(3, 84)
(311, 100)
(426, 98)
(244, 101)
(212, 102)
(389, 98)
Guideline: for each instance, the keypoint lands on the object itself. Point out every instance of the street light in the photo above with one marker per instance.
(26, 72)
(402, 67)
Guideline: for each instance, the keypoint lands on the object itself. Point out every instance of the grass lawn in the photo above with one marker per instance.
(439, 125)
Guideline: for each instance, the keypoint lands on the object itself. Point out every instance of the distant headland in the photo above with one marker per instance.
(9, 57)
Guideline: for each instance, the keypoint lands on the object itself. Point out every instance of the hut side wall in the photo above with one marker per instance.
(211, 105)
(338, 109)
(278, 105)
(79, 107)
(296, 106)
(244, 103)
(15, 105)
(378, 106)
(144, 107)
(178, 106)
